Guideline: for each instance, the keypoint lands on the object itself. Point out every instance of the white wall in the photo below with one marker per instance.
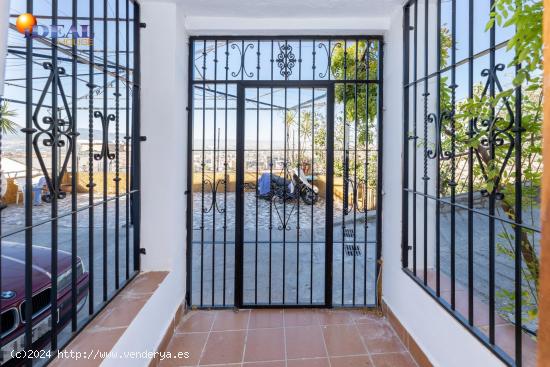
(285, 26)
(164, 53)
(163, 119)
(446, 342)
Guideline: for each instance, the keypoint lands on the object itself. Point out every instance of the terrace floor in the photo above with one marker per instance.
(289, 337)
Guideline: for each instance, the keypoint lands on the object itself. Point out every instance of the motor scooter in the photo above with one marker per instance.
(293, 186)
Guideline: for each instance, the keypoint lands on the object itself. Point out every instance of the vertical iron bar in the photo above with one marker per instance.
(415, 137)
(345, 174)
(329, 194)
(285, 164)
(438, 160)
(452, 184)
(406, 93)
(355, 190)
(55, 178)
(366, 168)
(379, 161)
(190, 173)
(312, 174)
(270, 176)
(518, 129)
(117, 145)
(426, 177)
(214, 182)
(136, 148)
(471, 168)
(127, 140)
(312, 182)
(28, 189)
(105, 158)
(226, 178)
(203, 165)
(117, 148)
(91, 184)
(74, 172)
(257, 173)
(492, 196)
(239, 206)
(299, 168)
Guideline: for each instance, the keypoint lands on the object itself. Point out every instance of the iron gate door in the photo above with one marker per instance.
(283, 171)
(284, 177)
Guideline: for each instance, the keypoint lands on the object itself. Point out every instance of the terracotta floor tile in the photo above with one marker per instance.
(191, 343)
(266, 319)
(380, 337)
(385, 345)
(403, 359)
(224, 347)
(375, 329)
(351, 361)
(196, 321)
(231, 320)
(301, 317)
(343, 340)
(265, 364)
(362, 316)
(316, 362)
(122, 312)
(304, 342)
(334, 317)
(101, 340)
(265, 345)
(147, 282)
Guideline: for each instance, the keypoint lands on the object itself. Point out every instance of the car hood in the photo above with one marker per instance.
(13, 270)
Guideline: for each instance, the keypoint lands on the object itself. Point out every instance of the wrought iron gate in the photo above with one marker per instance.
(283, 171)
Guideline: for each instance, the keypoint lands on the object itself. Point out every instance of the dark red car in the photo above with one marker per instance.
(12, 297)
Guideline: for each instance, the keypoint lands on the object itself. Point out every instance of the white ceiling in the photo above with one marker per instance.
(290, 8)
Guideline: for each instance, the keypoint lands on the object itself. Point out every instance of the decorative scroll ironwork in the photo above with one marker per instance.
(438, 151)
(494, 131)
(329, 57)
(214, 191)
(57, 133)
(286, 59)
(105, 141)
(242, 68)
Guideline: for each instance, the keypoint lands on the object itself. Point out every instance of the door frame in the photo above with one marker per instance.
(239, 205)
(241, 85)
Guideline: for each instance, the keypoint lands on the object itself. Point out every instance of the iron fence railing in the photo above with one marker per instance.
(72, 98)
(471, 171)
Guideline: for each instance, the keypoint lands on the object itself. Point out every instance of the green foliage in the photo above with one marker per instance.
(6, 124)
(350, 64)
(489, 114)
(526, 17)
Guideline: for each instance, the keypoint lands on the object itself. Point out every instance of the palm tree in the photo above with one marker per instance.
(6, 124)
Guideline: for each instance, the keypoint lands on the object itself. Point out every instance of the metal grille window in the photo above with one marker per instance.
(284, 171)
(472, 167)
(69, 167)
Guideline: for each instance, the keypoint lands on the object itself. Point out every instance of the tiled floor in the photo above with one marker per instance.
(289, 338)
(109, 325)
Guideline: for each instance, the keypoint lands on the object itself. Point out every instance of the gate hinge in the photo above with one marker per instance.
(142, 251)
(143, 25)
(142, 138)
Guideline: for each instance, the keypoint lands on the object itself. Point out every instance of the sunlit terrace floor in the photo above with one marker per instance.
(290, 337)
